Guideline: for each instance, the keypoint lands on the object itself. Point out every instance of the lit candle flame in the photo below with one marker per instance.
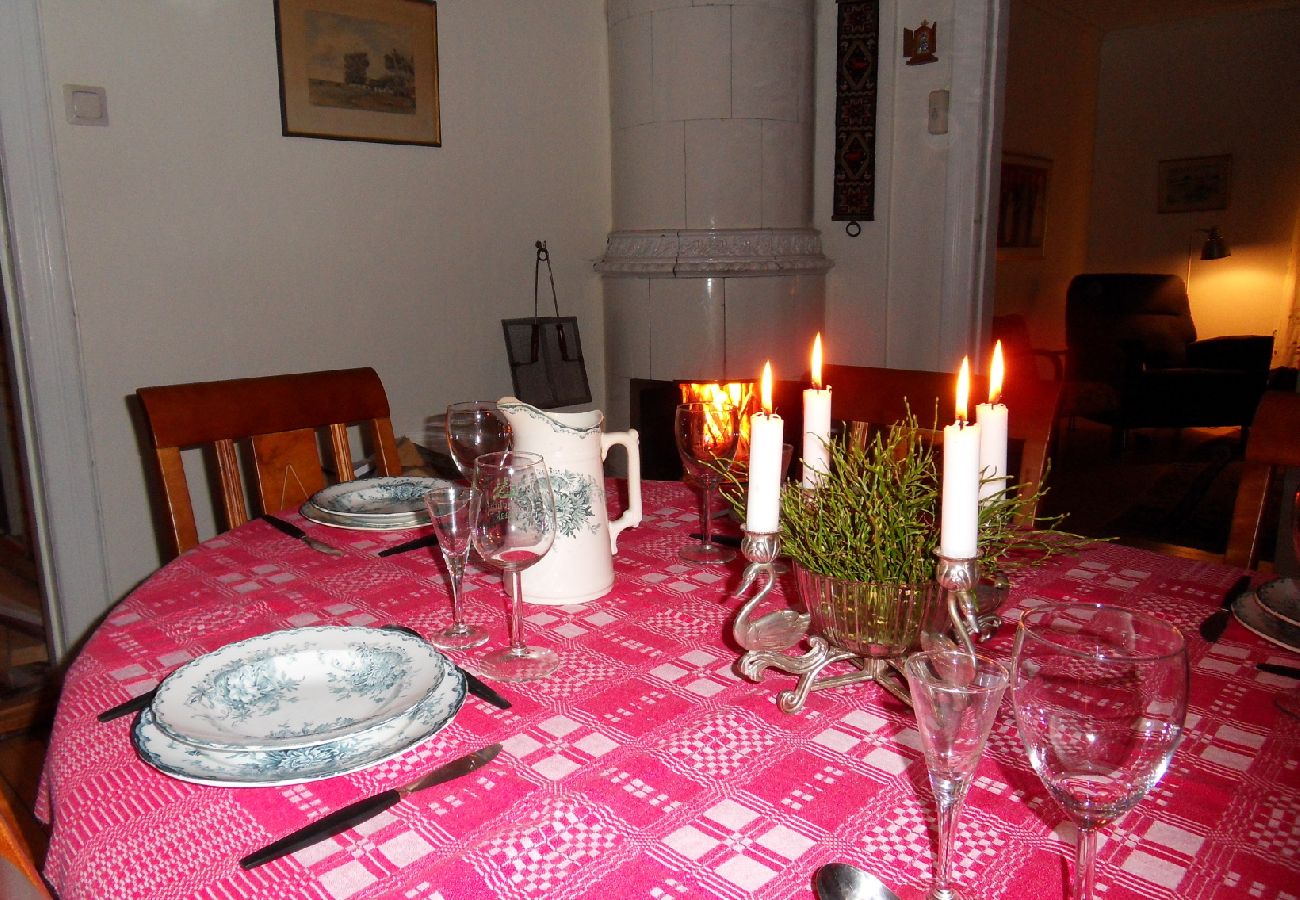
(817, 362)
(996, 375)
(765, 388)
(963, 390)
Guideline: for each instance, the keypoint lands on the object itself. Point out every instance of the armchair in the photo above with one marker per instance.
(1133, 360)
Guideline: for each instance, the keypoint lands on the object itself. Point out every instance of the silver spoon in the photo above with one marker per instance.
(841, 881)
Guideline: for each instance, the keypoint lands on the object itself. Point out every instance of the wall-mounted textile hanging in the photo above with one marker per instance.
(359, 70)
(857, 53)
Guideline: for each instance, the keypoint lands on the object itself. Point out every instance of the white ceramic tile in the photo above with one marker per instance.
(692, 63)
(770, 49)
(687, 328)
(639, 7)
(649, 168)
(627, 327)
(631, 97)
(772, 319)
(724, 173)
(787, 175)
(804, 7)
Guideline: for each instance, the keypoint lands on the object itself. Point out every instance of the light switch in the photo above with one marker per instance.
(938, 113)
(85, 105)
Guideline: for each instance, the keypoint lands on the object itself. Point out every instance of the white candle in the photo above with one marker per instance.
(816, 422)
(992, 420)
(959, 522)
(763, 504)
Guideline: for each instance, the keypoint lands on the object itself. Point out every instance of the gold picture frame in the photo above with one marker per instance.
(1022, 205)
(359, 70)
(1195, 183)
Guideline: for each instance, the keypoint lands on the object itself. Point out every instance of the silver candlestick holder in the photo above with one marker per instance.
(765, 637)
(958, 579)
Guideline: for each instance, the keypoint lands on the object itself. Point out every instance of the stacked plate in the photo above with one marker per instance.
(298, 705)
(373, 504)
(1272, 611)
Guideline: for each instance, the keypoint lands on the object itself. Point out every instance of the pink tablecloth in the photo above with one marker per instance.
(646, 767)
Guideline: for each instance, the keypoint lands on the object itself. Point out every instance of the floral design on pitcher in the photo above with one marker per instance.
(574, 495)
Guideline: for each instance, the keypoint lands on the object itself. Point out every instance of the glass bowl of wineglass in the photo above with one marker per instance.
(473, 428)
(1100, 697)
(707, 434)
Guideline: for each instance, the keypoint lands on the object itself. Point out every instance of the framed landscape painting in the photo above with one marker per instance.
(1187, 185)
(359, 70)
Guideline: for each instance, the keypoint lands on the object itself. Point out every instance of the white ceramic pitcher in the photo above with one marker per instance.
(580, 565)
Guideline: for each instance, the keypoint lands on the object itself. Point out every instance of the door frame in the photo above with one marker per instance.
(50, 390)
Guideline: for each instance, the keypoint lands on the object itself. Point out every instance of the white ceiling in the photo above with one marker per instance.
(1109, 15)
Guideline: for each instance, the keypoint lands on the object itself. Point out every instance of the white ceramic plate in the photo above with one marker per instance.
(263, 768)
(297, 688)
(314, 513)
(1281, 597)
(371, 497)
(1250, 613)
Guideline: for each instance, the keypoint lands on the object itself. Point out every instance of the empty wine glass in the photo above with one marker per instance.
(475, 427)
(955, 697)
(707, 434)
(1100, 695)
(515, 529)
(453, 510)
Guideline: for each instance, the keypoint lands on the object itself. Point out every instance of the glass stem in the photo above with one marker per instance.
(706, 512)
(948, 794)
(513, 584)
(1084, 858)
(456, 567)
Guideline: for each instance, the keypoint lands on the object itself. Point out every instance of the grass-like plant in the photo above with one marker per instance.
(875, 515)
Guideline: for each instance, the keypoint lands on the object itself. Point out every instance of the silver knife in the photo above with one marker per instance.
(1212, 628)
(354, 814)
(295, 532)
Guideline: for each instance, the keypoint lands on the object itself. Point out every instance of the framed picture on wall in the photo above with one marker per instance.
(1022, 205)
(1200, 182)
(359, 70)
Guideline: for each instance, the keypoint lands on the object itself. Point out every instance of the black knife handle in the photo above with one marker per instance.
(135, 704)
(429, 540)
(482, 691)
(1275, 669)
(284, 527)
(336, 822)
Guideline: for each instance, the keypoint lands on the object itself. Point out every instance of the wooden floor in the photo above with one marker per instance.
(21, 758)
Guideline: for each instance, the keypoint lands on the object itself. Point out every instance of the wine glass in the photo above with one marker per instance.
(515, 529)
(475, 427)
(1100, 695)
(707, 434)
(453, 511)
(955, 696)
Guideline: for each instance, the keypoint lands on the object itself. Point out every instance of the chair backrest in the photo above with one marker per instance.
(19, 879)
(881, 396)
(281, 417)
(1274, 444)
(1114, 318)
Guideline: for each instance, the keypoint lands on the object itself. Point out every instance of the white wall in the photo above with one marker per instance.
(883, 297)
(203, 244)
(1050, 113)
(1231, 85)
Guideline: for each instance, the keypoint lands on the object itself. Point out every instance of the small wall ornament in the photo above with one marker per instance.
(921, 44)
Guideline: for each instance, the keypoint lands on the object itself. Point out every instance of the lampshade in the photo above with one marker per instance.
(1215, 247)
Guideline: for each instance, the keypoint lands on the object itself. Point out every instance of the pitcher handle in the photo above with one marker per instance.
(632, 515)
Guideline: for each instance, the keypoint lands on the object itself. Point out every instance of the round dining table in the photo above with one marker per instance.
(646, 767)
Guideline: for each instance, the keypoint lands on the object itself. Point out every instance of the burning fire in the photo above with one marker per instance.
(739, 394)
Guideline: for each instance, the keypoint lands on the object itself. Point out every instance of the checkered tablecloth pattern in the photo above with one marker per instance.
(646, 768)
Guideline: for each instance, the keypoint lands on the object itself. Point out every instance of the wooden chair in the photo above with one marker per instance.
(1274, 444)
(19, 879)
(881, 397)
(280, 416)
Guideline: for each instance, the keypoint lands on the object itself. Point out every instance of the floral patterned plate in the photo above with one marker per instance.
(314, 513)
(377, 497)
(297, 688)
(261, 768)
